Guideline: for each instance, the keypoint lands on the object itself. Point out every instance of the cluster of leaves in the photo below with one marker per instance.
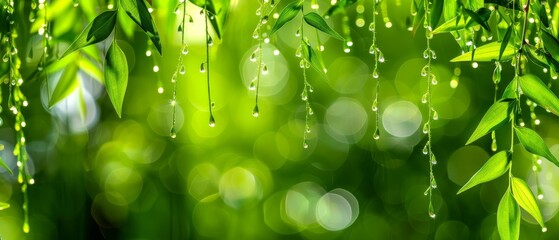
(508, 21)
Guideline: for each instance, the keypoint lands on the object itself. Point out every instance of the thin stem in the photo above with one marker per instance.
(212, 120)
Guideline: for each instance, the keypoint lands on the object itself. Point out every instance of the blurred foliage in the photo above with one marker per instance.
(100, 176)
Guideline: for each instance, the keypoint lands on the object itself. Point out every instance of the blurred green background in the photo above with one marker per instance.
(250, 178)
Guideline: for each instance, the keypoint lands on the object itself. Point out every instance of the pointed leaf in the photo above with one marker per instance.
(538, 92)
(319, 23)
(505, 42)
(487, 53)
(96, 31)
(450, 9)
(551, 44)
(3, 164)
(67, 83)
(4, 205)
(508, 218)
(436, 12)
(525, 198)
(533, 143)
(116, 76)
(536, 55)
(287, 14)
(510, 90)
(314, 58)
(91, 69)
(495, 116)
(495, 167)
(137, 10)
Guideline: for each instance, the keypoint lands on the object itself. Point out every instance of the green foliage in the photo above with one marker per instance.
(508, 217)
(66, 85)
(319, 23)
(3, 164)
(137, 10)
(495, 167)
(98, 30)
(116, 76)
(525, 198)
(536, 91)
(287, 14)
(4, 205)
(496, 116)
(534, 143)
(487, 53)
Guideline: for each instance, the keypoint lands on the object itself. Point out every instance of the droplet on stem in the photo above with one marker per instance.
(182, 70)
(184, 49)
(426, 128)
(212, 121)
(173, 133)
(255, 111)
(375, 105)
(376, 135)
(203, 67)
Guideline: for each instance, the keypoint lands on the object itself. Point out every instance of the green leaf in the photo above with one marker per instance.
(533, 143)
(525, 198)
(82, 106)
(116, 76)
(495, 167)
(538, 92)
(67, 83)
(137, 10)
(508, 217)
(96, 31)
(319, 23)
(4, 205)
(436, 11)
(550, 43)
(506, 3)
(450, 9)
(316, 61)
(3, 164)
(91, 69)
(505, 42)
(539, 10)
(495, 116)
(287, 14)
(487, 53)
(536, 55)
(510, 90)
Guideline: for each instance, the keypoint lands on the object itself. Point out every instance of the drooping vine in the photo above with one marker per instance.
(431, 78)
(180, 69)
(16, 103)
(309, 57)
(378, 58)
(205, 66)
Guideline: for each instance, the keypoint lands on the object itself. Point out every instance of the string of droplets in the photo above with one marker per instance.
(205, 66)
(426, 72)
(16, 102)
(496, 80)
(256, 56)
(180, 69)
(307, 88)
(379, 58)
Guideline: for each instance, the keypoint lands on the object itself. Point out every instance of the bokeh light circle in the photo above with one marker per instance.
(401, 119)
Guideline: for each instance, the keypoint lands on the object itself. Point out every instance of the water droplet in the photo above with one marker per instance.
(256, 34)
(253, 57)
(426, 54)
(255, 111)
(211, 123)
(203, 67)
(435, 114)
(6, 57)
(155, 68)
(427, 191)
(432, 211)
(375, 106)
(305, 144)
(173, 133)
(160, 90)
(298, 33)
(493, 142)
(76, 4)
(372, 49)
(212, 105)
(424, 70)
(26, 227)
(544, 229)
(190, 20)
(426, 148)
(433, 55)
(252, 85)
(426, 128)
(259, 11)
(298, 52)
(375, 73)
(540, 196)
(424, 98)
(376, 135)
(497, 73)
(184, 49)
(264, 20)
(372, 27)
(311, 112)
(433, 79)
(433, 183)
(475, 65)
(210, 41)
(174, 78)
(307, 129)
(433, 159)
(264, 69)
(302, 63)
(182, 70)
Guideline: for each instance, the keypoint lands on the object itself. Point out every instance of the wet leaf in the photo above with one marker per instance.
(533, 143)
(495, 116)
(319, 23)
(508, 217)
(525, 198)
(96, 31)
(116, 76)
(487, 53)
(287, 14)
(495, 167)
(538, 92)
(137, 10)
